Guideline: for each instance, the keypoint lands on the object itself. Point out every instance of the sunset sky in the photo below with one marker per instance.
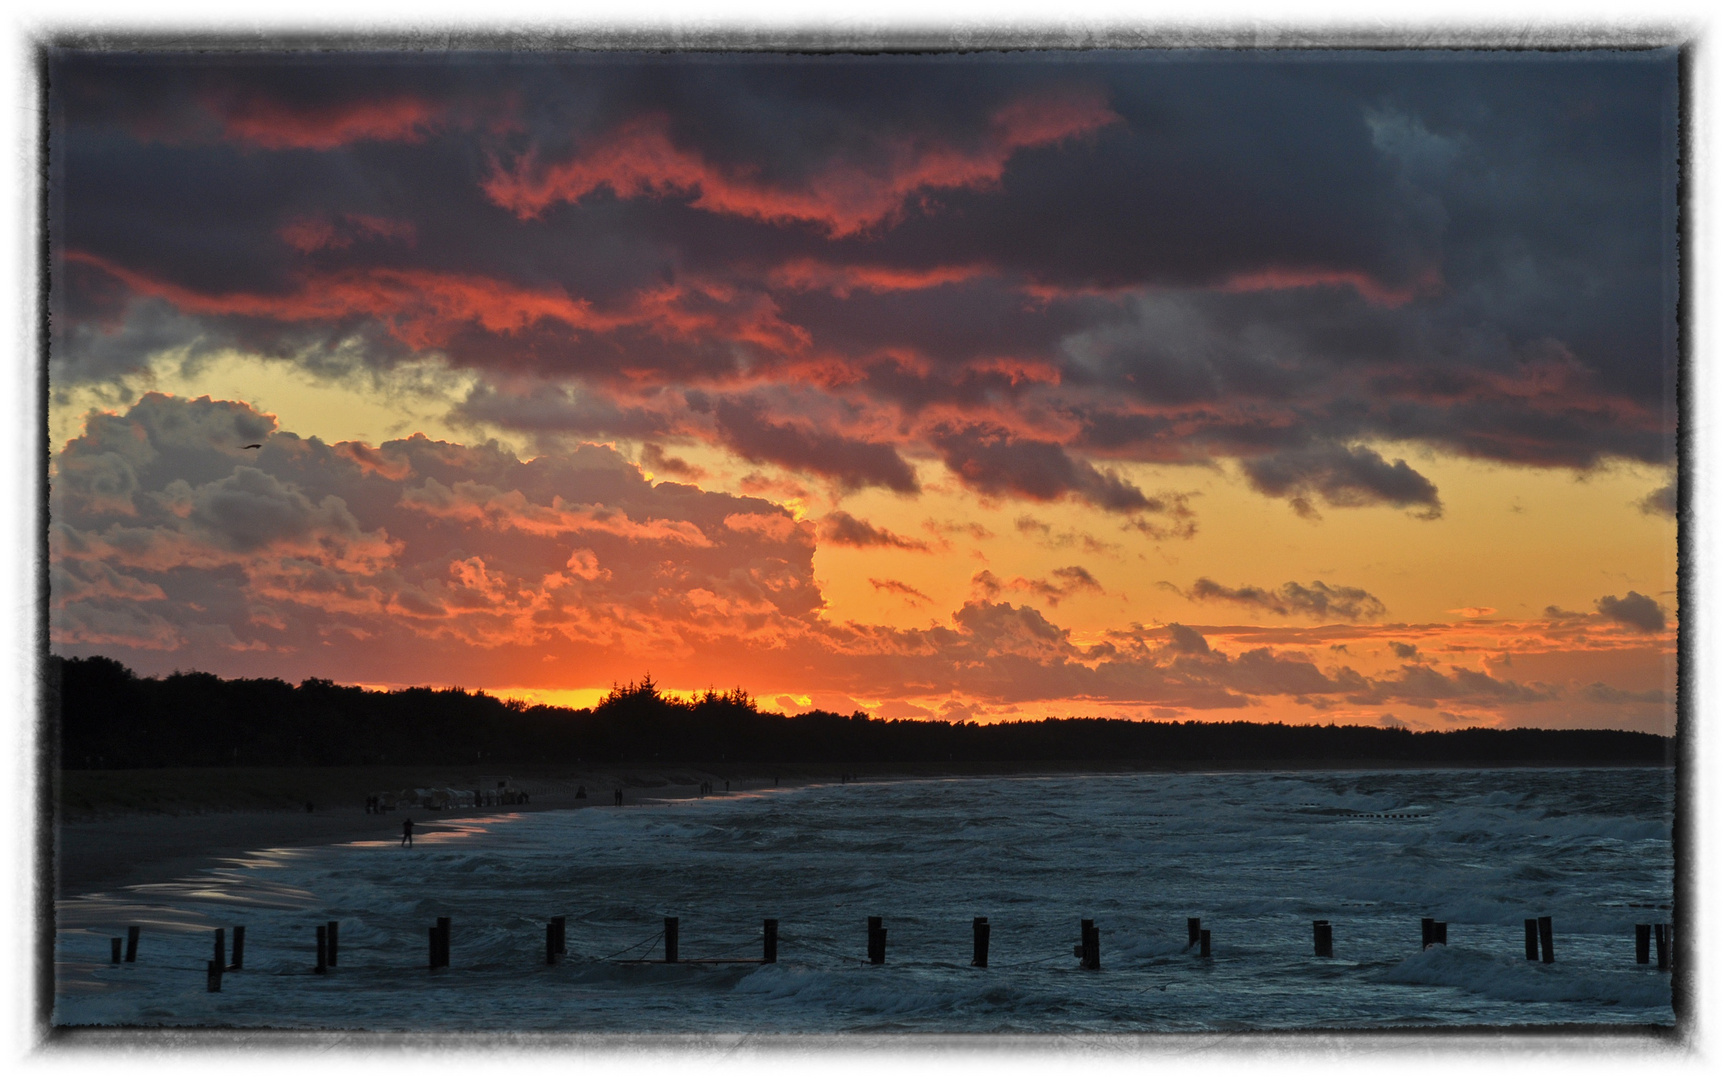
(1314, 387)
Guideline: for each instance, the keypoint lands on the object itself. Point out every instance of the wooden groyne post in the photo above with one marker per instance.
(330, 955)
(671, 939)
(132, 944)
(551, 944)
(1192, 932)
(239, 949)
(213, 976)
(1531, 940)
(877, 942)
(1545, 925)
(221, 955)
(770, 941)
(1642, 943)
(1664, 946)
(1321, 937)
(114, 950)
(1432, 933)
(323, 950)
(563, 944)
(438, 942)
(1204, 944)
(980, 942)
(1090, 958)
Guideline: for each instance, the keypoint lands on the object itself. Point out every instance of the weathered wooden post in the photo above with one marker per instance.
(877, 940)
(980, 942)
(221, 955)
(1545, 922)
(1090, 958)
(1663, 959)
(323, 950)
(1192, 932)
(770, 941)
(1205, 944)
(1321, 937)
(432, 947)
(1531, 940)
(1439, 933)
(239, 949)
(114, 950)
(551, 945)
(443, 941)
(558, 922)
(1426, 933)
(132, 944)
(212, 976)
(1642, 943)
(331, 954)
(671, 939)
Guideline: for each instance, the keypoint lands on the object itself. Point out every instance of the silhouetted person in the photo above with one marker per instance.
(408, 833)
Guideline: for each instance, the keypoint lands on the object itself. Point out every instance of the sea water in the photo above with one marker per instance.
(1256, 856)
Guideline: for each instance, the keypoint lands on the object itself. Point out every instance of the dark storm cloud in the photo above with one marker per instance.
(1274, 258)
(1067, 581)
(899, 588)
(1185, 639)
(1636, 611)
(1662, 502)
(1612, 695)
(1342, 476)
(994, 462)
(842, 528)
(654, 456)
(1318, 600)
(854, 463)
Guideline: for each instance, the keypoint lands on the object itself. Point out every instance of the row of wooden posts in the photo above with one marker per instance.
(1537, 935)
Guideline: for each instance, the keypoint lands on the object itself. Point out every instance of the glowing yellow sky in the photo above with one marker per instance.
(1513, 540)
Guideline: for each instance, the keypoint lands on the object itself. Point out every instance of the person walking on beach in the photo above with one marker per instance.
(408, 833)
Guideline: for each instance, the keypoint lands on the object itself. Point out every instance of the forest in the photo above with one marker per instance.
(107, 717)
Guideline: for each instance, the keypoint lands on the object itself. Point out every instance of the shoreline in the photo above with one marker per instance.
(101, 848)
(111, 849)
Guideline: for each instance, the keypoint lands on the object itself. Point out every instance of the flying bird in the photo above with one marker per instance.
(252, 446)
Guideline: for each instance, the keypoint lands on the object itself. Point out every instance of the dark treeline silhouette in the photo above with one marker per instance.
(109, 718)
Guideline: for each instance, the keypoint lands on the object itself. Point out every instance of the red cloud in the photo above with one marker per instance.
(275, 125)
(808, 275)
(425, 308)
(1311, 277)
(315, 232)
(639, 159)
